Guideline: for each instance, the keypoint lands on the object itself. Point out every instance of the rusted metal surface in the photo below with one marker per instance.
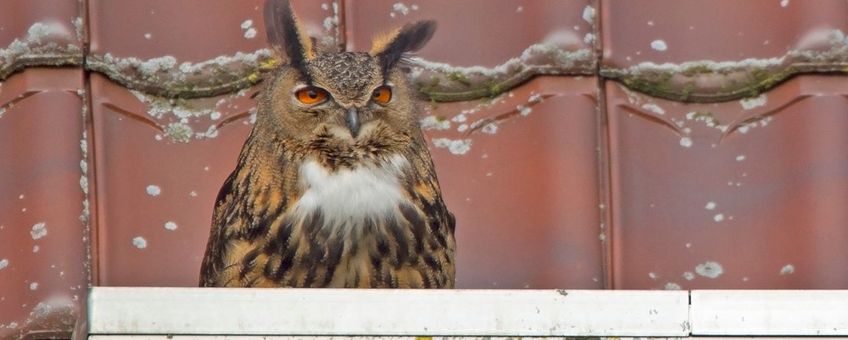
(742, 194)
(542, 37)
(521, 175)
(34, 33)
(43, 208)
(700, 51)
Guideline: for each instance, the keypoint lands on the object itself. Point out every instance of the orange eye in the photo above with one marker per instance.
(382, 95)
(311, 95)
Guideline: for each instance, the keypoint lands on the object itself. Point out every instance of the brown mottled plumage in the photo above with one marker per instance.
(335, 186)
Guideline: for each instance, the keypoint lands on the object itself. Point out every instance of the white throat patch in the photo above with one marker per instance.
(366, 191)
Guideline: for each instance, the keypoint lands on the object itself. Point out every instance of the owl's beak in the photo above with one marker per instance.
(352, 120)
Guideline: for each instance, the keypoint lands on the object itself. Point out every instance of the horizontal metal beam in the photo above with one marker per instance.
(147, 312)
(770, 312)
(227, 311)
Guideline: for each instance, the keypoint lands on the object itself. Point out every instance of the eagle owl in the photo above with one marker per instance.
(334, 187)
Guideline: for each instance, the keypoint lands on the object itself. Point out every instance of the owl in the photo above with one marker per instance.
(335, 186)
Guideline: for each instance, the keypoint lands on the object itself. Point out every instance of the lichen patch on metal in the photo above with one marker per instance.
(715, 81)
(165, 76)
(43, 44)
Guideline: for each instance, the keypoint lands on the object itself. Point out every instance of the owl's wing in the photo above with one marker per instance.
(213, 259)
(426, 195)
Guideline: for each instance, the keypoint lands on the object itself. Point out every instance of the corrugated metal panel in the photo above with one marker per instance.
(742, 194)
(43, 207)
(501, 163)
(160, 170)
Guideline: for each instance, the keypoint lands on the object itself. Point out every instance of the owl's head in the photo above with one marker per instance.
(347, 96)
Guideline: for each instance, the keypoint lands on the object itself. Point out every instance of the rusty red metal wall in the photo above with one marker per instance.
(653, 144)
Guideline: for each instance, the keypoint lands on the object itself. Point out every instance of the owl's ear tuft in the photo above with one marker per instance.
(286, 34)
(410, 38)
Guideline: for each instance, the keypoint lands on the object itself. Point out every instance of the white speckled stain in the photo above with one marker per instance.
(672, 286)
(651, 107)
(139, 242)
(784, 3)
(154, 190)
(456, 147)
(402, 9)
(490, 128)
(193, 194)
(39, 230)
(752, 103)
(33, 286)
(659, 45)
(148, 36)
(435, 123)
(718, 217)
(35, 248)
(519, 9)
(652, 275)
(459, 118)
(4, 263)
(589, 14)
(83, 181)
(170, 225)
(710, 205)
(709, 269)
(740, 158)
(787, 269)
(686, 142)
(689, 276)
(41, 310)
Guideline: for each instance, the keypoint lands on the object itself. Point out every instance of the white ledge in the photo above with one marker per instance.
(770, 312)
(155, 313)
(327, 312)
